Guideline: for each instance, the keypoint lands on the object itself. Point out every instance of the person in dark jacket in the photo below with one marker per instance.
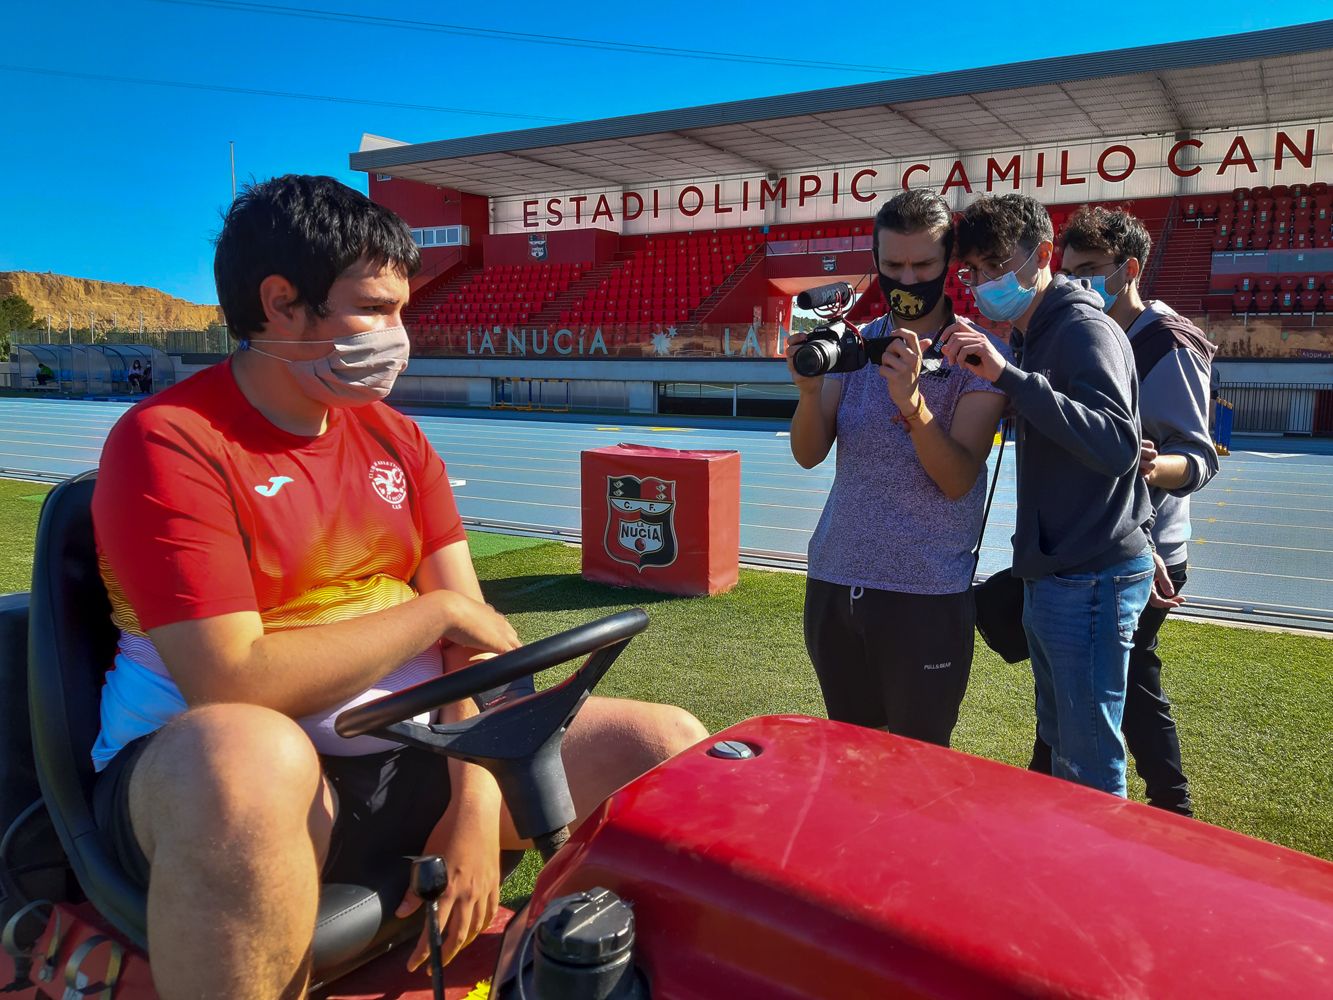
(1174, 362)
(1081, 541)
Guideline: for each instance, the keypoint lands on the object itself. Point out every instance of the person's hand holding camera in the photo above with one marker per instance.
(804, 383)
(901, 370)
(969, 347)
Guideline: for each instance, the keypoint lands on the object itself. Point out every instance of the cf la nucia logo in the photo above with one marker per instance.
(389, 482)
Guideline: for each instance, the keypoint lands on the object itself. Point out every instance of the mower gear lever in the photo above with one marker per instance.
(430, 878)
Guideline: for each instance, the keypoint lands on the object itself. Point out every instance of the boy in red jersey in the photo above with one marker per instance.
(278, 545)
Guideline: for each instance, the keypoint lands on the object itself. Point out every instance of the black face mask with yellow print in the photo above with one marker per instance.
(909, 302)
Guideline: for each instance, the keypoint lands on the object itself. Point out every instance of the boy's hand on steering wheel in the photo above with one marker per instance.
(476, 625)
(468, 839)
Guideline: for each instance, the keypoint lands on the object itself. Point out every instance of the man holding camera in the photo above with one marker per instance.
(888, 606)
(1174, 361)
(1081, 542)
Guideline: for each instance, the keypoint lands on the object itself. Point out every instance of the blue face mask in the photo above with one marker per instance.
(1098, 283)
(1003, 300)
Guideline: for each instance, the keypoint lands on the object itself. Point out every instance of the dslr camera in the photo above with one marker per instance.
(836, 345)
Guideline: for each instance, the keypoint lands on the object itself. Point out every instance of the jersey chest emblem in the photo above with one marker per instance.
(389, 482)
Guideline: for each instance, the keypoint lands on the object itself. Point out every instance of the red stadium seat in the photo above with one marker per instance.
(1281, 191)
(1299, 189)
(1263, 301)
(1241, 302)
(1287, 301)
(1209, 208)
(1246, 283)
(1289, 283)
(1267, 283)
(1191, 209)
(1263, 191)
(1309, 300)
(1319, 188)
(1221, 243)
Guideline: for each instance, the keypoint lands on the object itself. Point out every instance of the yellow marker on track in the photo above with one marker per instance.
(608, 428)
(681, 430)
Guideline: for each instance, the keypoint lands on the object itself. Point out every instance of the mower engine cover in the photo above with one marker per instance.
(845, 862)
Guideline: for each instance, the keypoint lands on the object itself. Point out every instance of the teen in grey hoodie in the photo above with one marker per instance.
(1081, 543)
(1174, 363)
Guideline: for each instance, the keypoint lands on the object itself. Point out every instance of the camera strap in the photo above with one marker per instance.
(994, 482)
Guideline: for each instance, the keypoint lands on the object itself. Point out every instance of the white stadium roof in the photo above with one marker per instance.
(1281, 74)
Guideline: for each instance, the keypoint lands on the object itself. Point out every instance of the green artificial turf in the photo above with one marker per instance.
(1255, 716)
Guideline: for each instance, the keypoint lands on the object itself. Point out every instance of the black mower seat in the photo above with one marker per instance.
(71, 643)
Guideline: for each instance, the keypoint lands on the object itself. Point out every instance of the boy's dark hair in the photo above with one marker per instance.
(913, 212)
(1099, 230)
(999, 225)
(309, 230)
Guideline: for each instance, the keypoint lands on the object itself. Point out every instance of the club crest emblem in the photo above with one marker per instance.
(640, 527)
(389, 482)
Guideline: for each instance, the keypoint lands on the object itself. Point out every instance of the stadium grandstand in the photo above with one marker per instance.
(673, 243)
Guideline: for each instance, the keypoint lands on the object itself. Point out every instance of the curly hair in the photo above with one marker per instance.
(1102, 231)
(998, 225)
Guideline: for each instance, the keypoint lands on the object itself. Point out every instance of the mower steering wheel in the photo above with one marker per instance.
(493, 673)
(517, 739)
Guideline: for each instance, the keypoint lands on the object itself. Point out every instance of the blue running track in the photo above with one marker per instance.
(1263, 546)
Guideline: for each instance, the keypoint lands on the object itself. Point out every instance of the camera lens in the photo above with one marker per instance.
(815, 357)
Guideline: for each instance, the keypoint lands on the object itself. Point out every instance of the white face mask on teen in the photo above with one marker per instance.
(359, 369)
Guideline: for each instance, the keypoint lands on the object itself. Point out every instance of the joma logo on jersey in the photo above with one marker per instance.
(640, 528)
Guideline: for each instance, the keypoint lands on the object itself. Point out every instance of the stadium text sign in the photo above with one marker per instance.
(1155, 166)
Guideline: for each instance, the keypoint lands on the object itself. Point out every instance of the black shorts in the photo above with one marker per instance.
(889, 660)
(388, 804)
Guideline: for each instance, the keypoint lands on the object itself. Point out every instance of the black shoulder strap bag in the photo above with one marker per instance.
(999, 599)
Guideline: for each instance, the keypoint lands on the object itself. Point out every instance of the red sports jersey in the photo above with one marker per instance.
(203, 507)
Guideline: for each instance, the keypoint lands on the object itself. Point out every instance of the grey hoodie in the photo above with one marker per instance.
(1174, 361)
(1082, 505)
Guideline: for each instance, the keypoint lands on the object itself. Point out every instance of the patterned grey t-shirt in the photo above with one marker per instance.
(887, 525)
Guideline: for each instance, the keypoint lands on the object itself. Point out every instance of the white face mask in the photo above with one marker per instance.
(361, 368)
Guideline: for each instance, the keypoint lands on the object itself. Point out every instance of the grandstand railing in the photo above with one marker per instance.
(1158, 254)
(835, 244)
(1265, 408)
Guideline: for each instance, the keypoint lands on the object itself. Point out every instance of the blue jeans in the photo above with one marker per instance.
(1080, 628)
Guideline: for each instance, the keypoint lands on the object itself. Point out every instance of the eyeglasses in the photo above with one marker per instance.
(973, 276)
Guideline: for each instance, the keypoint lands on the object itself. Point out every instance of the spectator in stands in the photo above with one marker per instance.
(44, 373)
(888, 606)
(278, 543)
(135, 376)
(1174, 362)
(1081, 544)
(146, 379)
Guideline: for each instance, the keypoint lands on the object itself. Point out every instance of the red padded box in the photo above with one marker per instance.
(662, 519)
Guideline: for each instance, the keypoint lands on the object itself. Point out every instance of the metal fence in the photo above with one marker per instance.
(211, 341)
(1265, 408)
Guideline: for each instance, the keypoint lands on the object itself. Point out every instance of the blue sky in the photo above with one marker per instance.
(125, 182)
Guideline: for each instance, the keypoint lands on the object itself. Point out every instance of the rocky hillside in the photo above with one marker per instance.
(62, 297)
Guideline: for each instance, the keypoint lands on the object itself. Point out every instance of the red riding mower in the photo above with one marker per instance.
(787, 857)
